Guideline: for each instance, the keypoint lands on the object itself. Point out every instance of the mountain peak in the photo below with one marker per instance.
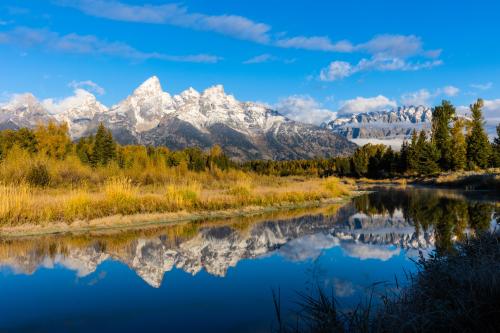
(215, 90)
(24, 100)
(151, 86)
(190, 92)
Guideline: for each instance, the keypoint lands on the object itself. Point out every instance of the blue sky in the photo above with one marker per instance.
(307, 58)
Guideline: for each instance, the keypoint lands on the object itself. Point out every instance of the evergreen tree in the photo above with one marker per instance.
(458, 146)
(104, 149)
(403, 157)
(426, 156)
(478, 146)
(495, 156)
(412, 153)
(441, 138)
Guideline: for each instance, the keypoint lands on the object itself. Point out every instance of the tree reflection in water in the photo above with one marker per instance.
(448, 214)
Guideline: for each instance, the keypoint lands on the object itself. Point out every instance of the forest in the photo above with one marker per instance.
(455, 143)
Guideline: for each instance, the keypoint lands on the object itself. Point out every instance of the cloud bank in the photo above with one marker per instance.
(89, 44)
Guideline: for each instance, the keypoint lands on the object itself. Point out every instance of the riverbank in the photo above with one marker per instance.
(488, 180)
(119, 204)
(456, 291)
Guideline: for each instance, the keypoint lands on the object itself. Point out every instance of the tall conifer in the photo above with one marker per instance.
(478, 145)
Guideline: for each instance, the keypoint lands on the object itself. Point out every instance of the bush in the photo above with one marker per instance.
(38, 175)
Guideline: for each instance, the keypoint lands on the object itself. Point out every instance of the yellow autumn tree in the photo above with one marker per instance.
(53, 140)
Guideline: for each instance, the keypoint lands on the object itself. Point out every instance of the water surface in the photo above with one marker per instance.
(217, 276)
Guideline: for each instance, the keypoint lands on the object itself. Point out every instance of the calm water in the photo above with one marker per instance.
(217, 276)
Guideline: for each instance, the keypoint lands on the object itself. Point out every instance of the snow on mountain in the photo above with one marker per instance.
(23, 110)
(387, 127)
(152, 116)
(77, 111)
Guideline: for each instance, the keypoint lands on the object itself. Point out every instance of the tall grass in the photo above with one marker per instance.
(14, 202)
(118, 195)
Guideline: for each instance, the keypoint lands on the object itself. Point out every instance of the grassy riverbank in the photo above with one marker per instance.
(488, 180)
(195, 195)
(456, 291)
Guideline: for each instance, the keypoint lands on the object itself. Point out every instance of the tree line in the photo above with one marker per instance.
(54, 142)
(455, 143)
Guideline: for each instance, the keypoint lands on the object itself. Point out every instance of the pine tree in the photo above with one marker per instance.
(403, 157)
(104, 149)
(495, 156)
(426, 156)
(458, 146)
(412, 152)
(441, 138)
(478, 146)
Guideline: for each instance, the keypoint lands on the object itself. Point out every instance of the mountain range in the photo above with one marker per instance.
(151, 116)
(391, 127)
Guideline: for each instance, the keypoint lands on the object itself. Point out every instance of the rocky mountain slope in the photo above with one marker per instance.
(394, 125)
(151, 116)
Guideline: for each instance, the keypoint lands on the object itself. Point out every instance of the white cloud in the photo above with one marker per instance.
(419, 97)
(315, 43)
(388, 53)
(450, 91)
(176, 15)
(425, 97)
(87, 85)
(482, 86)
(55, 106)
(362, 104)
(387, 46)
(89, 44)
(491, 109)
(341, 69)
(260, 59)
(305, 109)
(396, 46)
(335, 71)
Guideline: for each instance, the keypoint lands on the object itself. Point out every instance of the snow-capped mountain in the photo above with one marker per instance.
(392, 126)
(151, 116)
(23, 110)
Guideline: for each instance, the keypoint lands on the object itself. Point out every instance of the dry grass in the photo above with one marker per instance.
(38, 190)
(23, 204)
(478, 180)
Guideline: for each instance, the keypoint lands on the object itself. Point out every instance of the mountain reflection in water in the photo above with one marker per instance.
(378, 226)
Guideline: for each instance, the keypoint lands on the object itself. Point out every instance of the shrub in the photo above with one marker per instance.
(38, 175)
(335, 187)
(183, 196)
